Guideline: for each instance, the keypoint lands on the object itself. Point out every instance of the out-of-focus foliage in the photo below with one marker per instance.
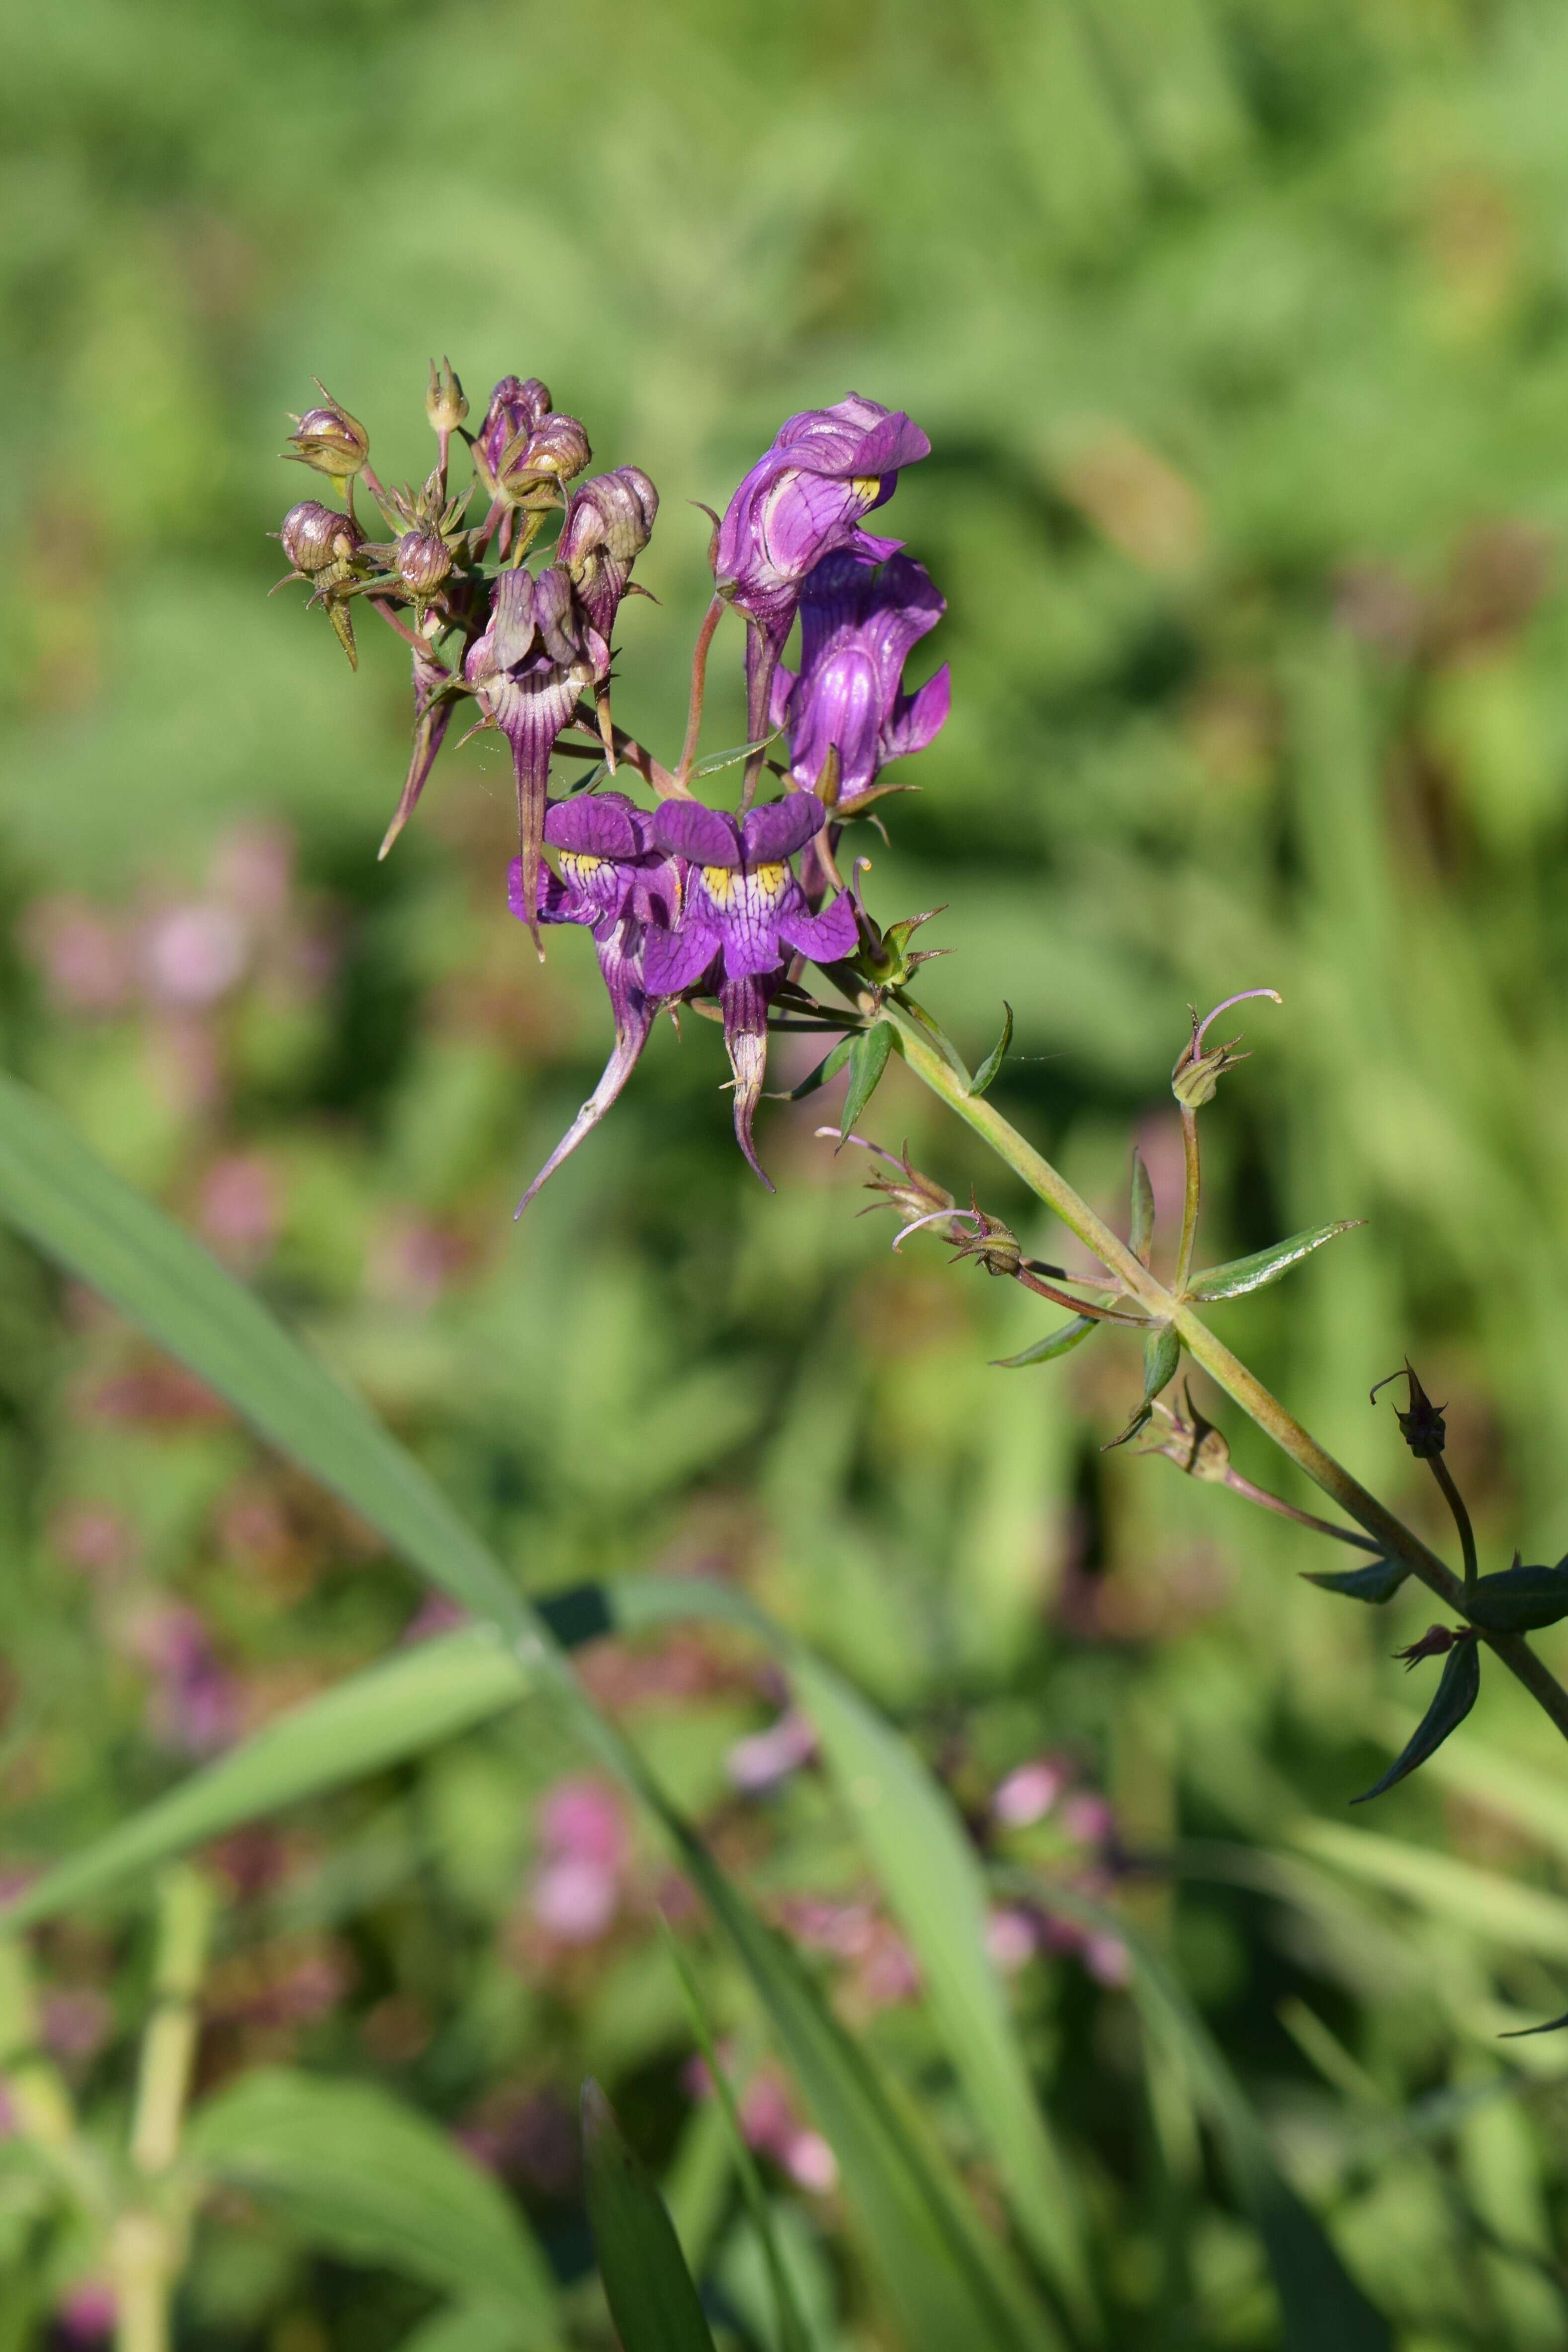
(1240, 329)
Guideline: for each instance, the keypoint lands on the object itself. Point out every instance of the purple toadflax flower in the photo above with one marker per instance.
(617, 882)
(744, 915)
(859, 623)
(827, 468)
(527, 670)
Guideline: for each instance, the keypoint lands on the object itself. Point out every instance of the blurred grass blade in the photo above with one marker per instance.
(1066, 1337)
(1141, 1232)
(792, 2333)
(986, 1075)
(1457, 1691)
(1498, 1911)
(948, 2280)
(647, 2286)
(411, 1702)
(1255, 1272)
(1380, 1579)
(78, 1211)
(1321, 2305)
(469, 2327)
(357, 2173)
(867, 1059)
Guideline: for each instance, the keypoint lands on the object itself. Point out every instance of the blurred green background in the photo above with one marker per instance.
(1241, 330)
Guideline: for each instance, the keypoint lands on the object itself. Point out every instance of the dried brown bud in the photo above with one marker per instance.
(330, 439)
(446, 402)
(314, 536)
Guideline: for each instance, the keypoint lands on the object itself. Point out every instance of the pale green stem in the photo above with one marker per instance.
(147, 2247)
(1189, 1200)
(936, 1070)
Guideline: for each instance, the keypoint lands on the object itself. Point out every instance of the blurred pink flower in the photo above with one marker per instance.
(80, 954)
(91, 1536)
(253, 868)
(1088, 1819)
(772, 2127)
(436, 1613)
(193, 954)
(87, 2313)
(412, 1261)
(1012, 1938)
(528, 2133)
(576, 1890)
(1027, 1793)
(194, 1704)
(240, 1208)
(768, 1757)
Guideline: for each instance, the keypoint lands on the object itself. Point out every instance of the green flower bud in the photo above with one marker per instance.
(330, 439)
(446, 402)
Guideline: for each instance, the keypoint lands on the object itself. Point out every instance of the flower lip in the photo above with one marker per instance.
(600, 825)
(763, 836)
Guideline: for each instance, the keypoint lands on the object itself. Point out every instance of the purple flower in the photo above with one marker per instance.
(527, 670)
(607, 525)
(858, 624)
(515, 409)
(827, 468)
(617, 881)
(745, 914)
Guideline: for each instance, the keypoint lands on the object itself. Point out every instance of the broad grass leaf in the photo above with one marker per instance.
(652, 2299)
(357, 2173)
(1244, 1274)
(1458, 1688)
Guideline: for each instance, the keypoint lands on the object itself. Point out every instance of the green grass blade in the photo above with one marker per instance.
(357, 2173)
(1320, 2304)
(793, 2334)
(647, 2286)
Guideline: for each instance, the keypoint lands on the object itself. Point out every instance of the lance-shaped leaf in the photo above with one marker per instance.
(985, 1074)
(867, 1058)
(1161, 1354)
(716, 761)
(1456, 1694)
(1520, 1600)
(828, 1068)
(647, 2286)
(1060, 1342)
(1521, 2033)
(1254, 1273)
(1141, 1233)
(1380, 1579)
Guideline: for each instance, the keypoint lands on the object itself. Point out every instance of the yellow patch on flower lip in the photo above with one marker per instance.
(770, 879)
(579, 864)
(719, 882)
(866, 486)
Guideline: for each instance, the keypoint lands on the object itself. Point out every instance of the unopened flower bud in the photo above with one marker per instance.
(330, 439)
(424, 559)
(560, 446)
(314, 536)
(1435, 1642)
(1421, 1424)
(615, 513)
(446, 402)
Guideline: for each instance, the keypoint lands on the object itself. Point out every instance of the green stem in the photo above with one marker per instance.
(1456, 1503)
(147, 2247)
(1189, 1200)
(1226, 1370)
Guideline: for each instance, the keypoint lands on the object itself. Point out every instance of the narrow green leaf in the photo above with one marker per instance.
(1321, 2305)
(1456, 1694)
(357, 2173)
(1161, 1354)
(986, 1075)
(1522, 2032)
(1254, 1273)
(647, 2286)
(947, 2280)
(1060, 1342)
(792, 2332)
(1519, 1600)
(869, 1053)
(828, 1068)
(1380, 1579)
(716, 761)
(1499, 1912)
(1141, 1236)
(410, 1702)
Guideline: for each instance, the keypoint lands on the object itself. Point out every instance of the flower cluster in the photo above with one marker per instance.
(682, 901)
